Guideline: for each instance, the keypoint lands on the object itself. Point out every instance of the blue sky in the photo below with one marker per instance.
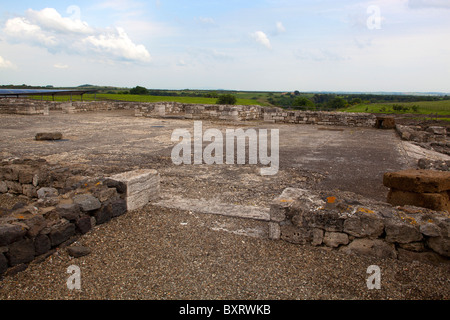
(311, 45)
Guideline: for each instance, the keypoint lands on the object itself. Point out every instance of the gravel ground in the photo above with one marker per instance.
(162, 254)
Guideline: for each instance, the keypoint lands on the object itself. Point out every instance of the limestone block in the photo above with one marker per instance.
(48, 136)
(401, 231)
(371, 247)
(274, 231)
(14, 187)
(364, 225)
(436, 130)
(295, 234)
(87, 202)
(440, 245)
(435, 201)
(139, 186)
(419, 181)
(3, 187)
(45, 192)
(335, 239)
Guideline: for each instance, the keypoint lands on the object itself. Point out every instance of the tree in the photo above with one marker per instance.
(226, 99)
(139, 90)
(303, 102)
(337, 103)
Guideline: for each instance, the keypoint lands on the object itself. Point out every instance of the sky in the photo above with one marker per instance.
(265, 45)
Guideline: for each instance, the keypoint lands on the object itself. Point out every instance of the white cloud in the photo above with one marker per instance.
(117, 44)
(280, 27)
(21, 30)
(61, 66)
(5, 64)
(49, 19)
(48, 29)
(261, 38)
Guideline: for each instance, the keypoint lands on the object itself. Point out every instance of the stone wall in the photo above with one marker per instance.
(355, 225)
(435, 138)
(61, 206)
(194, 111)
(199, 111)
(277, 115)
(245, 113)
(25, 107)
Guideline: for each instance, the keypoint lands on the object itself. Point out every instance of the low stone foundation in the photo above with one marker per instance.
(352, 224)
(61, 206)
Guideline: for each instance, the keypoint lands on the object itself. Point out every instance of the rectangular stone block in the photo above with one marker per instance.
(139, 186)
(274, 231)
(434, 201)
(420, 181)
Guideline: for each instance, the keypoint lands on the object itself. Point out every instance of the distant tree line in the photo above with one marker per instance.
(331, 101)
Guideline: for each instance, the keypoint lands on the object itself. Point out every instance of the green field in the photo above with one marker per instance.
(146, 98)
(423, 107)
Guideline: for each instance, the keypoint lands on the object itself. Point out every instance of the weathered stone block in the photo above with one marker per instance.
(274, 231)
(78, 251)
(295, 234)
(118, 206)
(104, 214)
(35, 224)
(48, 136)
(437, 130)
(3, 263)
(328, 220)
(45, 192)
(3, 187)
(141, 186)
(69, 211)
(430, 230)
(21, 251)
(317, 235)
(14, 187)
(335, 239)
(29, 190)
(364, 225)
(440, 245)
(10, 233)
(87, 202)
(61, 232)
(419, 181)
(371, 247)
(26, 176)
(434, 201)
(42, 244)
(280, 205)
(84, 224)
(401, 232)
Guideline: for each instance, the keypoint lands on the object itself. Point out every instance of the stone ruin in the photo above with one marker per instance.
(64, 203)
(61, 205)
(349, 223)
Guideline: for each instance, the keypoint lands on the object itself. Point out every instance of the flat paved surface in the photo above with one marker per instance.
(350, 159)
(177, 253)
